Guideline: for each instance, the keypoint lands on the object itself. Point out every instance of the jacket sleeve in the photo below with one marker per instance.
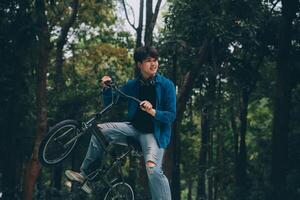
(106, 94)
(168, 112)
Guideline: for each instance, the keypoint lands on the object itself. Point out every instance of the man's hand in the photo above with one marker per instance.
(147, 107)
(104, 80)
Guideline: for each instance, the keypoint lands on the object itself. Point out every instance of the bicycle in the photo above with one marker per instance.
(63, 137)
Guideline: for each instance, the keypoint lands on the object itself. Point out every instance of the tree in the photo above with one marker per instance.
(33, 167)
(139, 27)
(61, 41)
(16, 37)
(151, 18)
(282, 101)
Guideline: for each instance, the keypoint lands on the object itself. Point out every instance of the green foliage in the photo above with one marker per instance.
(242, 36)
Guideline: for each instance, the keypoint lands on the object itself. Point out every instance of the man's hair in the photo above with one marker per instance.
(143, 52)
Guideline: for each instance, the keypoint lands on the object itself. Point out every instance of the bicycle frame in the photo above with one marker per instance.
(91, 122)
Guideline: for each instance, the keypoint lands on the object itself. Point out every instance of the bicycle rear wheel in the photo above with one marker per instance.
(120, 191)
(58, 143)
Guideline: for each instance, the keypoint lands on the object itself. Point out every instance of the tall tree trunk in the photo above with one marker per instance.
(139, 29)
(149, 14)
(16, 35)
(210, 161)
(57, 176)
(33, 167)
(201, 190)
(182, 98)
(150, 20)
(61, 41)
(168, 162)
(219, 184)
(59, 80)
(175, 146)
(139, 32)
(282, 103)
(190, 190)
(206, 151)
(242, 154)
(235, 134)
(9, 157)
(211, 113)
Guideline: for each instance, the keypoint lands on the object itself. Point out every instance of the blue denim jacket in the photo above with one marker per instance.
(165, 106)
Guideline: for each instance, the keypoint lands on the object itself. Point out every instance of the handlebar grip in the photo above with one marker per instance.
(108, 83)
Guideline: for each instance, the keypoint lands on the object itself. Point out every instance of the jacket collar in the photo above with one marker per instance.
(157, 78)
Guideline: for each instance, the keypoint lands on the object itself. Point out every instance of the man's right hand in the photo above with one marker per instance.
(105, 80)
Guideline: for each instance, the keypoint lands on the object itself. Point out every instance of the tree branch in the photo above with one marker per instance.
(156, 11)
(126, 14)
(61, 41)
(274, 5)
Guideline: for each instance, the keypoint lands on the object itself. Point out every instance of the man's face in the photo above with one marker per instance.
(148, 67)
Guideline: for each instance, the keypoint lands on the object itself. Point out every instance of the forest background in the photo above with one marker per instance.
(235, 64)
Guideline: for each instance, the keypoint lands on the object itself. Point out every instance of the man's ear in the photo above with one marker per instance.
(139, 64)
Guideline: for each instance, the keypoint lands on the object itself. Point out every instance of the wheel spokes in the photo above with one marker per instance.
(60, 143)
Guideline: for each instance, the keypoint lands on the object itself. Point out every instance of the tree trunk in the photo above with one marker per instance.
(16, 36)
(211, 110)
(61, 41)
(168, 162)
(9, 161)
(242, 154)
(282, 104)
(175, 181)
(57, 176)
(219, 184)
(210, 161)
(33, 167)
(190, 190)
(182, 98)
(235, 134)
(201, 190)
(150, 20)
(139, 29)
(206, 151)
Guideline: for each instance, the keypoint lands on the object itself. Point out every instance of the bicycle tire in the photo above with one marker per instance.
(53, 148)
(120, 191)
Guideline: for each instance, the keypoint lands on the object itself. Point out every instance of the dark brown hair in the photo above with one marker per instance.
(143, 52)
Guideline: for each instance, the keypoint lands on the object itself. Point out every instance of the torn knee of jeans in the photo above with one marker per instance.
(150, 164)
(152, 168)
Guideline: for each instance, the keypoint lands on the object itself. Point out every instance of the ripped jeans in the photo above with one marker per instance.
(153, 155)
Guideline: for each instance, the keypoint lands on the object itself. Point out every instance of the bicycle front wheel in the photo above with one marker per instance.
(120, 191)
(59, 142)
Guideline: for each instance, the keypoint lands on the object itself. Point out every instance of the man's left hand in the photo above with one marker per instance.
(147, 107)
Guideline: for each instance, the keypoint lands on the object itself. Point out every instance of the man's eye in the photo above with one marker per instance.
(150, 60)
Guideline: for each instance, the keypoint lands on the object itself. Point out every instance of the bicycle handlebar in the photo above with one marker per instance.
(111, 85)
(114, 87)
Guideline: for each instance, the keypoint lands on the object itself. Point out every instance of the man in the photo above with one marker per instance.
(150, 122)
